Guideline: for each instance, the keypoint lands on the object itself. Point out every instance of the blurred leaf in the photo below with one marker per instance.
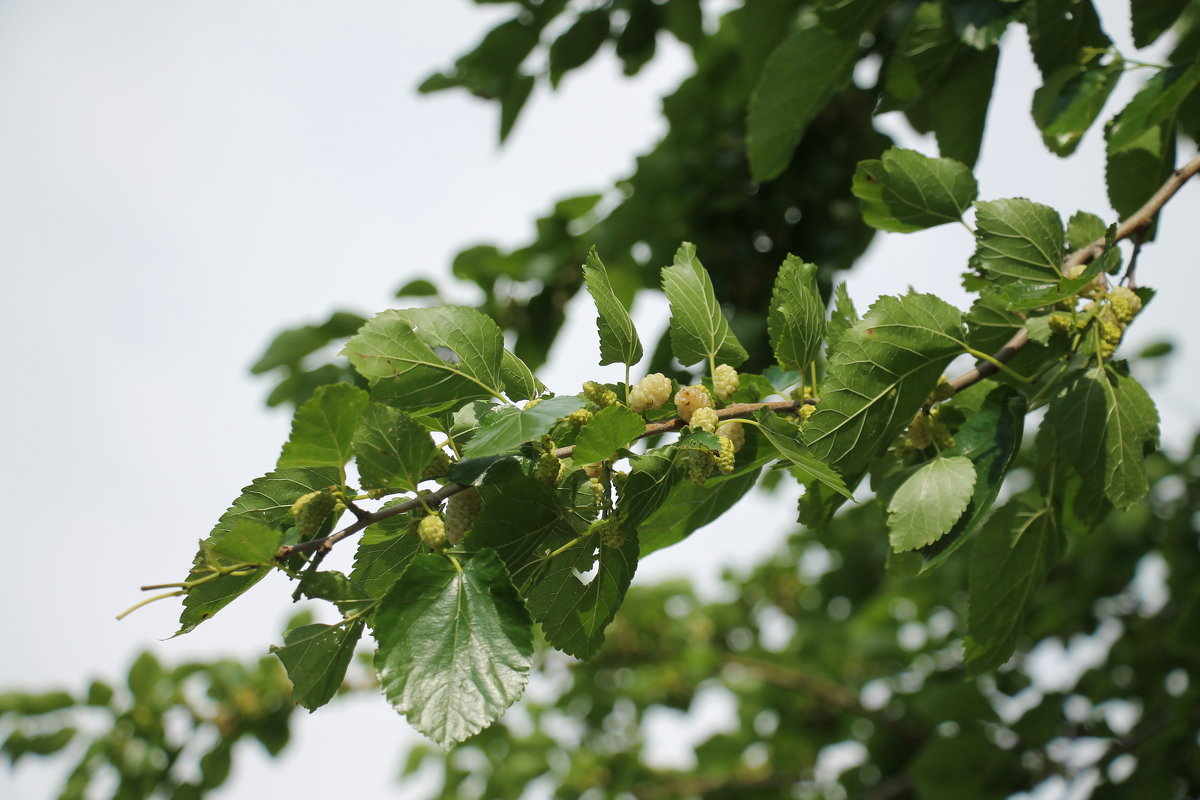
(316, 658)
(1069, 101)
(906, 191)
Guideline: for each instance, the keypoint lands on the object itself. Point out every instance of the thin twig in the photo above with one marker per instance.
(1142, 219)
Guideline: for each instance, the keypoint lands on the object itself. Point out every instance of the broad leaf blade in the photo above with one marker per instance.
(248, 542)
(316, 658)
(699, 330)
(796, 321)
(506, 429)
(609, 430)
(929, 502)
(1071, 99)
(651, 476)
(1130, 434)
(455, 646)
(619, 342)
(384, 552)
(391, 448)
(1018, 239)
(906, 191)
(324, 427)
(787, 440)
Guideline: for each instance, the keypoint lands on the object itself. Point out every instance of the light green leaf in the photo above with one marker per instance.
(1019, 239)
(430, 358)
(1012, 556)
(1083, 229)
(786, 438)
(699, 330)
(619, 342)
(572, 603)
(267, 501)
(249, 542)
(804, 72)
(1130, 433)
(418, 287)
(519, 381)
(506, 429)
(609, 430)
(1069, 101)
(316, 658)
(455, 646)
(324, 427)
(796, 320)
(880, 373)
(391, 448)
(929, 502)
(906, 191)
(841, 318)
(1156, 103)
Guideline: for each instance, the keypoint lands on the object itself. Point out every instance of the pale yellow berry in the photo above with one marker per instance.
(1125, 303)
(725, 459)
(689, 398)
(705, 419)
(432, 531)
(736, 433)
(725, 381)
(650, 392)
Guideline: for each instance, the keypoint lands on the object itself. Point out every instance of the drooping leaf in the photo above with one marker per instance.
(324, 427)
(522, 520)
(577, 592)
(266, 501)
(248, 542)
(576, 45)
(505, 429)
(651, 476)
(1012, 555)
(786, 438)
(609, 430)
(1062, 32)
(796, 320)
(881, 371)
(316, 658)
(1019, 239)
(803, 73)
(930, 502)
(699, 330)
(619, 341)
(927, 49)
(1157, 102)
(391, 448)
(959, 103)
(455, 645)
(1071, 99)
(384, 552)
(906, 191)
(429, 358)
(1130, 433)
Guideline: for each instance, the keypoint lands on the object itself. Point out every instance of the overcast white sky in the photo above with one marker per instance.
(179, 181)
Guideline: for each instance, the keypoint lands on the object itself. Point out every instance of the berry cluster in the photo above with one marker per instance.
(610, 532)
(705, 419)
(599, 394)
(461, 511)
(925, 430)
(310, 510)
(650, 392)
(725, 381)
(697, 465)
(438, 466)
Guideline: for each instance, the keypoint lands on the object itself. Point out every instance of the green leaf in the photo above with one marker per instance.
(506, 429)
(455, 646)
(1061, 32)
(796, 320)
(521, 520)
(841, 318)
(802, 75)
(927, 49)
(316, 658)
(1130, 434)
(608, 431)
(512, 101)
(929, 502)
(574, 610)
(850, 18)
(1019, 239)
(384, 552)
(324, 427)
(292, 345)
(689, 507)
(619, 342)
(1151, 20)
(959, 103)
(578, 44)
(883, 369)
(267, 501)
(391, 448)
(906, 191)
(786, 438)
(1071, 99)
(1012, 556)
(248, 542)
(1156, 103)
(699, 330)
(1135, 172)
(519, 381)
(418, 287)
(1083, 229)
(1025, 296)
(651, 476)
(991, 439)
(429, 358)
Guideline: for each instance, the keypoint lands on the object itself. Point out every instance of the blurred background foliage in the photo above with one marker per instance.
(845, 681)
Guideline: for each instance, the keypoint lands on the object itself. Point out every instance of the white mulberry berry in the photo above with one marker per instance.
(725, 381)
(438, 466)
(705, 419)
(599, 394)
(689, 398)
(1125, 303)
(610, 532)
(432, 531)
(736, 433)
(461, 510)
(725, 459)
(697, 465)
(310, 510)
(549, 469)
(650, 392)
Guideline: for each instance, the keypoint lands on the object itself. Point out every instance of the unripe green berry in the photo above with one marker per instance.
(580, 417)
(618, 480)
(650, 392)
(432, 531)
(705, 419)
(736, 433)
(438, 466)
(310, 510)
(690, 398)
(1125, 303)
(1060, 323)
(461, 511)
(725, 381)
(549, 469)
(697, 464)
(598, 394)
(725, 459)
(920, 432)
(610, 532)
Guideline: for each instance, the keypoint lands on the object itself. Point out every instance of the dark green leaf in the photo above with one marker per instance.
(1152, 19)
(619, 342)
(512, 101)
(651, 477)
(906, 191)
(608, 431)
(576, 46)
(796, 320)
(1130, 434)
(1019, 239)
(506, 428)
(391, 448)
(316, 658)
(1062, 32)
(455, 646)
(1134, 173)
(803, 73)
(324, 427)
(699, 330)
(928, 504)
(1156, 103)
(1069, 101)
(689, 507)
(384, 552)
(841, 318)
(850, 18)
(925, 52)
(958, 105)
(519, 381)
(786, 438)
(248, 542)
